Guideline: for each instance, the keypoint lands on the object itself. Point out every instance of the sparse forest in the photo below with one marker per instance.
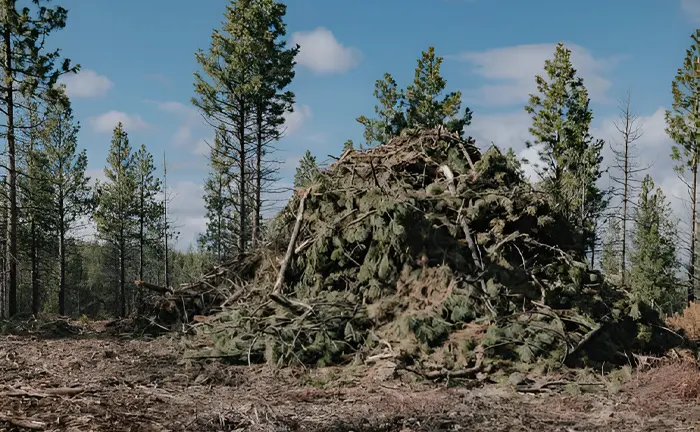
(418, 254)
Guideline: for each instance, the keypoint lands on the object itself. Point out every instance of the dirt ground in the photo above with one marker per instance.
(98, 382)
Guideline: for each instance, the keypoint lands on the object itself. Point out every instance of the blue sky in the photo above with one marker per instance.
(138, 59)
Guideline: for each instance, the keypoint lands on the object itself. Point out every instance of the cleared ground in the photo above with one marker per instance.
(97, 382)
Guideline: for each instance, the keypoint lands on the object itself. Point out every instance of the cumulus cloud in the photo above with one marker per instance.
(294, 120)
(513, 69)
(192, 126)
(106, 122)
(321, 52)
(86, 84)
(187, 211)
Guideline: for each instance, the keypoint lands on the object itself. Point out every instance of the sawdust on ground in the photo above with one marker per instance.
(146, 385)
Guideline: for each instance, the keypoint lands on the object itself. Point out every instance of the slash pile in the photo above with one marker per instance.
(426, 251)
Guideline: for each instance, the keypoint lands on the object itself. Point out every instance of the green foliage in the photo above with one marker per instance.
(611, 260)
(422, 105)
(220, 237)
(561, 119)
(683, 127)
(653, 258)
(307, 170)
(116, 214)
(683, 122)
(241, 93)
(149, 208)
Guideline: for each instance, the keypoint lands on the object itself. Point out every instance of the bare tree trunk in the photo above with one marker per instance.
(693, 230)
(166, 229)
(122, 274)
(258, 178)
(12, 173)
(62, 258)
(242, 234)
(36, 291)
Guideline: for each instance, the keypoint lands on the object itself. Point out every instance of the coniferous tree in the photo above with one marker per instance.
(653, 258)
(240, 95)
(71, 197)
(219, 239)
(117, 203)
(306, 171)
(423, 104)
(148, 208)
(683, 126)
(275, 64)
(28, 70)
(34, 211)
(561, 119)
(627, 167)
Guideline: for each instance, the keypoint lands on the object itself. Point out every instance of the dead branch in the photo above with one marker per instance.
(290, 248)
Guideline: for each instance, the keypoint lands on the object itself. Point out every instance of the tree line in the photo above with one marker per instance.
(46, 195)
(242, 91)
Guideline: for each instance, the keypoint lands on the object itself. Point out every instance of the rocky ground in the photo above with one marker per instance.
(100, 382)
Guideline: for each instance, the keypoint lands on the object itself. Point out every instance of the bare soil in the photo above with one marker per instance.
(98, 382)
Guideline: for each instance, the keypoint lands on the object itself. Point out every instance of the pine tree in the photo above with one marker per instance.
(653, 258)
(34, 196)
(28, 70)
(625, 162)
(230, 95)
(306, 171)
(219, 238)
(423, 104)
(117, 204)
(149, 209)
(71, 196)
(390, 119)
(275, 64)
(683, 126)
(561, 119)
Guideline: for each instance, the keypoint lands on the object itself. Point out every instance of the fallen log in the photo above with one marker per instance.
(153, 287)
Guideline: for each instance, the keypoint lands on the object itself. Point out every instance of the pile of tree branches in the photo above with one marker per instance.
(425, 250)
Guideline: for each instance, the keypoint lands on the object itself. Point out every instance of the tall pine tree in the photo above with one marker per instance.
(28, 70)
(117, 204)
(561, 119)
(683, 126)
(275, 64)
(149, 209)
(71, 197)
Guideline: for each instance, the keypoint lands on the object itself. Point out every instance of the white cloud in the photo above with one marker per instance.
(323, 54)
(294, 120)
(192, 127)
(691, 8)
(513, 71)
(187, 211)
(106, 122)
(86, 84)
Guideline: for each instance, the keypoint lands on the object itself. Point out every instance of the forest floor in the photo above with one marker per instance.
(100, 382)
